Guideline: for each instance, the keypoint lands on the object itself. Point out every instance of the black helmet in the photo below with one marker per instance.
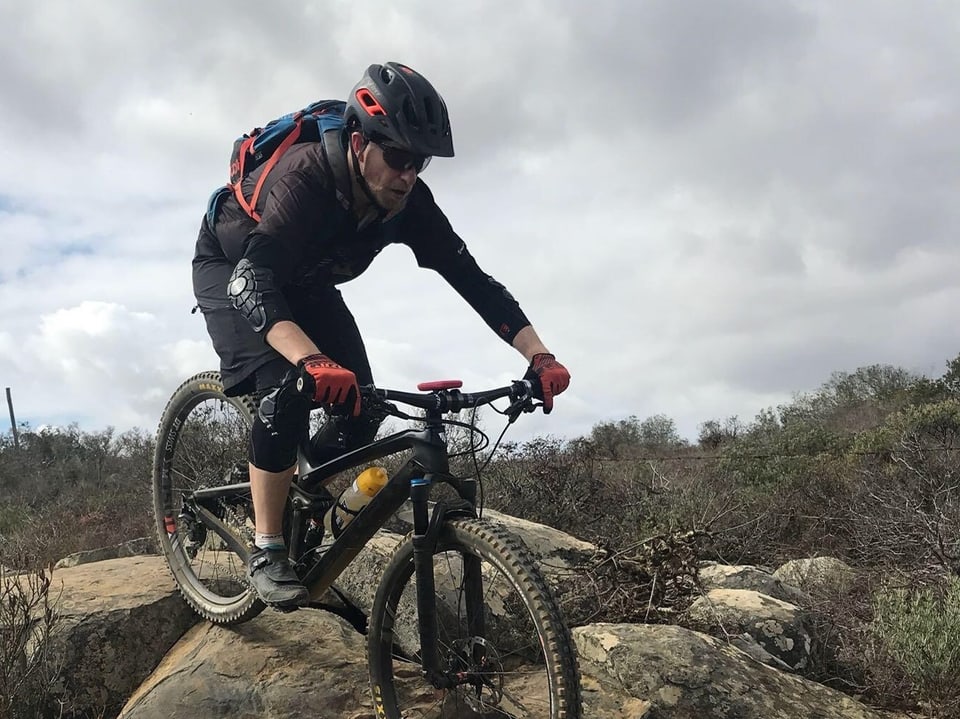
(396, 106)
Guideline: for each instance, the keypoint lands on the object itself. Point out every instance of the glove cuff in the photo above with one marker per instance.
(318, 357)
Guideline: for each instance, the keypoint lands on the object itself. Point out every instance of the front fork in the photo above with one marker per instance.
(426, 536)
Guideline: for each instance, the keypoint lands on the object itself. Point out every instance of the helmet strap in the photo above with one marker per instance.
(381, 210)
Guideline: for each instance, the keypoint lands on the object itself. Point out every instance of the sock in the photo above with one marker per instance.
(273, 542)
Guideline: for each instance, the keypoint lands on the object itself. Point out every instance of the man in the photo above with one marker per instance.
(268, 292)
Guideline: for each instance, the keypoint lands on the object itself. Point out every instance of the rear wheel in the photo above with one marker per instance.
(202, 442)
(498, 627)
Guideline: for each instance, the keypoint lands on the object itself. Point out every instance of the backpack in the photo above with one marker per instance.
(265, 145)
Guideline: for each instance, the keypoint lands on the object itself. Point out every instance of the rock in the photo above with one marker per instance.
(306, 663)
(359, 580)
(776, 626)
(562, 559)
(558, 552)
(117, 620)
(817, 575)
(122, 621)
(723, 576)
(133, 548)
(674, 673)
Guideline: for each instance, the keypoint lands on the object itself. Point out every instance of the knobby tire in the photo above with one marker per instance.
(202, 442)
(524, 665)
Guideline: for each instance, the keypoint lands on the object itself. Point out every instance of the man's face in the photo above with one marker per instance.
(391, 187)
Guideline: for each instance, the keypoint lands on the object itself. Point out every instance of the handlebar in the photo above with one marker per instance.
(451, 399)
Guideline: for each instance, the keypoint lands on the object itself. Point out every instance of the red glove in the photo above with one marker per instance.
(551, 377)
(327, 382)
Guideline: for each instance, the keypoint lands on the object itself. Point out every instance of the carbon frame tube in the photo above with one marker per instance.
(366, 524)
(428, 456)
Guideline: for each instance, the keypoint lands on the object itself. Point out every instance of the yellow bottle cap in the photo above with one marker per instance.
(372, 480)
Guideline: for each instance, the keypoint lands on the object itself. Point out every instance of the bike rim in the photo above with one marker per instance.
(206, 446)
(511, 674)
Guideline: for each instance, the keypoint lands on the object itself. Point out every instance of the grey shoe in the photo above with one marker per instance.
(274, 580)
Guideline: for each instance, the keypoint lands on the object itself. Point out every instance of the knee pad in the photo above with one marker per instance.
(278, 428)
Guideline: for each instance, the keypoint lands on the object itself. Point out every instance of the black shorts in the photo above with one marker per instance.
(248, 364)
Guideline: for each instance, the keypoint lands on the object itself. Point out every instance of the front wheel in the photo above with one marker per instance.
(202, 442)
(499, 628)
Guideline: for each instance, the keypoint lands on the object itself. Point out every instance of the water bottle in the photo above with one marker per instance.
(352, 500)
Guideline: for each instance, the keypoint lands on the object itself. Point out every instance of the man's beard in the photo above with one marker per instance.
(391, 199)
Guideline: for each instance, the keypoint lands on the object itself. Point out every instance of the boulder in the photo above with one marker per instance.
(817, 575)
(132, 548)
(117, 620)
(745, 576)
(558, 551)
(635, 671)
(305, 663)
(562, 559)
(129, 644)
(774, 626)
(359, 580)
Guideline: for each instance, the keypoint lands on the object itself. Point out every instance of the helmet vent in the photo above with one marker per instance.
(410, 113)
(369, 103)
(431, 111)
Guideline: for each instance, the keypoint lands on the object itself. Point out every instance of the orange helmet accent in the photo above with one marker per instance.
(369, 103)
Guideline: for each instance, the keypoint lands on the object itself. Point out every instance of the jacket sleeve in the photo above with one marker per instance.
(437, 247)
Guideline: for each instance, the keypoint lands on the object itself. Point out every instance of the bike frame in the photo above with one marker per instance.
(427, 464)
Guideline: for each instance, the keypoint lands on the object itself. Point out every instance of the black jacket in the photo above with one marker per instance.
(308, 237)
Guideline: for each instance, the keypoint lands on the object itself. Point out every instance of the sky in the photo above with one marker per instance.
(704, 208)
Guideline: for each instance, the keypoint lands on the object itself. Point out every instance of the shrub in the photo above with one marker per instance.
(27, 670)
(919, 629)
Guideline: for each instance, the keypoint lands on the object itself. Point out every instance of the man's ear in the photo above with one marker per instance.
(357, 142)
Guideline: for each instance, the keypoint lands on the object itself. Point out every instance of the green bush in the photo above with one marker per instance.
(919, 629)
(64, 490)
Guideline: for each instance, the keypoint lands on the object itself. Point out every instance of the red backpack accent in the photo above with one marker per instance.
(266, 145)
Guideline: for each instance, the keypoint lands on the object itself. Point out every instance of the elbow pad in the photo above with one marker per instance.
(253, 292)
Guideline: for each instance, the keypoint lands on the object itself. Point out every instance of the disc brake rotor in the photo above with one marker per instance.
(481, 662)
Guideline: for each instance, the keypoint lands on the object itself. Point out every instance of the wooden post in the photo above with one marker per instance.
(13, 421)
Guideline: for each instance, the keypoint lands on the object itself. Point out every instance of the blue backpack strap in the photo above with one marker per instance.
(213, 206)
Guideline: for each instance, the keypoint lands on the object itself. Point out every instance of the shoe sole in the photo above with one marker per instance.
(296, 601)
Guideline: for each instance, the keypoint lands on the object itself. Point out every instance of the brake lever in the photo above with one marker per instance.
(375, 402)
(391, 409)
(515, 410)
(522, 404)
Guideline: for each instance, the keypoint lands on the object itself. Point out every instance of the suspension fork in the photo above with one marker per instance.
(426, 536)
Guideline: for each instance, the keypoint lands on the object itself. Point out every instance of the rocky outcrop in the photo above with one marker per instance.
(133, 548)
(282, 666)
(667, 672)
(558, 552)
(127, 640)
(117, 620)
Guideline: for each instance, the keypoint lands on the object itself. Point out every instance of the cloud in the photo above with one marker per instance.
(111, 364)
(704, 208)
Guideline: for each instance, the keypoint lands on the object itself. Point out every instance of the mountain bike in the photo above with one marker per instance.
(462, 624)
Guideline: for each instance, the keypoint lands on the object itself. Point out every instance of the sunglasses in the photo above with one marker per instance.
(401, 160)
